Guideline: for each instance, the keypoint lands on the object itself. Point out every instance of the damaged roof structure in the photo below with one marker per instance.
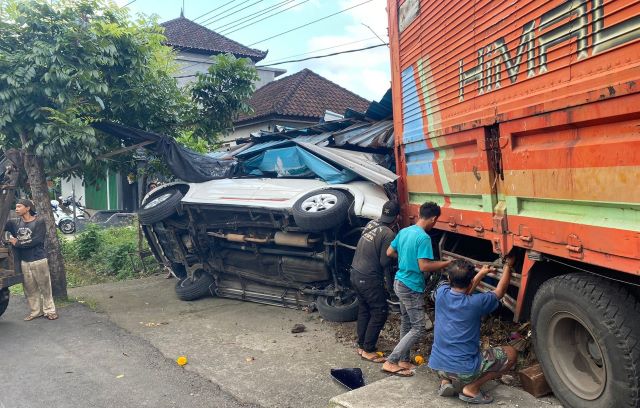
(358, 146)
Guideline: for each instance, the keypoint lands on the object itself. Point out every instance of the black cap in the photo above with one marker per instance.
(390, 211)
(28, 203)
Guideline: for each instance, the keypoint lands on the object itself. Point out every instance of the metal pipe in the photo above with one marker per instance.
(295, 239)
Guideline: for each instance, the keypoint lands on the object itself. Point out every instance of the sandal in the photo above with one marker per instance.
(447, 390)
(399, 371)
(29, 318)
(407, 365)
(374, 359)
(51, 316)
(479, 398)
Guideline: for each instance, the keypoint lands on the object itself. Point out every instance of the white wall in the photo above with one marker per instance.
(191, 63)
(69, 184)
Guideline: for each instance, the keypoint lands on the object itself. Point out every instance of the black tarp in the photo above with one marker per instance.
(184, 163)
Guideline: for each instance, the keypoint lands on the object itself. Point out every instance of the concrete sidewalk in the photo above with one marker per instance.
(420, 391)
(248, 349)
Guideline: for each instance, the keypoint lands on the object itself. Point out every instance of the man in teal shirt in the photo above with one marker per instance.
(413, 248)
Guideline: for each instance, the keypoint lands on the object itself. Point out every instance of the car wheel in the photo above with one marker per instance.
(585, 333)
(67, 226)
(334, 310)
(4, 300)
(162, 206)
(191, 289)
(321, 210)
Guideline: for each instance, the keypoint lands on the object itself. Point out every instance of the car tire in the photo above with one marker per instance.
(321, 210)
(160, 207)
(585, 333)
(332, 312)
(67, 226)
(4, 300)
(191, 289)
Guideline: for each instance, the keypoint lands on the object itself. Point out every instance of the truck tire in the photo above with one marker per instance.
(321, 210)
(201, 285)
(586, 334)
(4, 300)
(330, 311)
(160, 207)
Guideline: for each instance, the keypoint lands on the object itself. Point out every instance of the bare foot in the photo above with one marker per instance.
(373, 357)
(406, 365)
(391, 368)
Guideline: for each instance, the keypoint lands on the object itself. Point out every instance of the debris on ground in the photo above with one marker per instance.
(298, 328)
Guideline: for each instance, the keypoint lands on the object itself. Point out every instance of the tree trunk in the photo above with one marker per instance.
(34, 166)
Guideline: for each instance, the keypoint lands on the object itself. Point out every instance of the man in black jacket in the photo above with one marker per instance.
(27, 238)
(367, 279)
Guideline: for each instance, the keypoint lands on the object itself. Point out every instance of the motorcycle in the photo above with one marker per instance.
(68, 206)
(63, 220)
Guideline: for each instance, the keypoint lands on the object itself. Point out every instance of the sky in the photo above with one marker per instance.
(367, 73)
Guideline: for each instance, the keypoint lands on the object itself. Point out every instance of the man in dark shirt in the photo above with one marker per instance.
(367, 279)
(27, 237)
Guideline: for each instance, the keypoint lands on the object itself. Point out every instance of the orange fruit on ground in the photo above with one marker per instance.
(419, 360)
(182, 360)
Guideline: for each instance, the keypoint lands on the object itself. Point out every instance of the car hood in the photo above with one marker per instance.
(281, 193)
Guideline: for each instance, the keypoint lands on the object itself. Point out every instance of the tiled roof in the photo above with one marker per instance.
(304, 95)
(184, 34)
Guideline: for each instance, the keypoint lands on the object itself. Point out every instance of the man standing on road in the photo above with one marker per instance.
(367, 279)
(456, 352)
(413, 248)
(27, 237)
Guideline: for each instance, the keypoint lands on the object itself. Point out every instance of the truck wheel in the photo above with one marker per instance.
(160, 207)
(330, 309)
(586, 334)
(192, 289)
(321, 210)
(4, 300)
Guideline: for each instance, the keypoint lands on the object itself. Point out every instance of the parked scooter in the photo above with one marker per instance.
(68, 206)
(63, 220)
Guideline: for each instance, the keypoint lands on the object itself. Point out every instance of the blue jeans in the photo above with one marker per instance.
(413, 324)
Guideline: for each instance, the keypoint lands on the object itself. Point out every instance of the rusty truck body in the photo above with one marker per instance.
(521, 119)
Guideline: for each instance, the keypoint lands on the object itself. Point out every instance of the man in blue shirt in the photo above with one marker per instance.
(413, 248)
(456, 352)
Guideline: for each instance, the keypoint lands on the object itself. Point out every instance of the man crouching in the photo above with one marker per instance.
(456, 352)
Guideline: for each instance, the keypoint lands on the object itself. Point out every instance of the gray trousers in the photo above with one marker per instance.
(37, 287)
(413, 322)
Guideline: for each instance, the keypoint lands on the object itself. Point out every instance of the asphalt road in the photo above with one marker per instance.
(84, 360)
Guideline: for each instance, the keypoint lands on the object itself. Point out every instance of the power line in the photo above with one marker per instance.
(222, 17)
(305, 59)
(131, 2)
(311, 22)
(326, 55)
(257, 14)
(262, 19)
(211, 11)
(322, 49)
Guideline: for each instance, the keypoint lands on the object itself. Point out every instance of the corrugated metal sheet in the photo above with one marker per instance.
(354, 162)
(376, 135)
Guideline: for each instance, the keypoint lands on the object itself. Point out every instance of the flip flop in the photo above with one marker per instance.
(29, 318)
(375, 359)
(51, 316)
(447, 390)
(401, 372)
(480, 398)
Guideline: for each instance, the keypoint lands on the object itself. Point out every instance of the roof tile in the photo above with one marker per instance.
(185, 34)
(304, 94)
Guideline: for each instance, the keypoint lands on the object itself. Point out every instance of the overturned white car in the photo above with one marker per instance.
(282, 233)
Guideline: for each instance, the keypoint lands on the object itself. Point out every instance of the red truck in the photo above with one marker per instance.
(521, 118)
